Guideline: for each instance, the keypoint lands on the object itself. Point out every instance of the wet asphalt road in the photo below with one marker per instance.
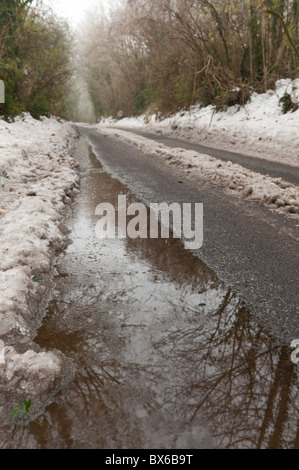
(250, 248)
(266, 167)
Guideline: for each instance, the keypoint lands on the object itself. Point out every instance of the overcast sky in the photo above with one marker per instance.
(73, 10)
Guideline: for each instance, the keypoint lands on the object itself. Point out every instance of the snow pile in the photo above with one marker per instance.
(258, 129)
(34, 372)
(15, 284)
(38, 176)
(240, 181)
(34, 376)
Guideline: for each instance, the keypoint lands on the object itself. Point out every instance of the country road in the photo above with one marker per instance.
(266, 167)
(149, 227)
(250, 248)
(167, 348)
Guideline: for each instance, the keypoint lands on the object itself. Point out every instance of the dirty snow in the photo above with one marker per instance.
(239, 181)
(259, 129)
(38, 176)
(36, 371)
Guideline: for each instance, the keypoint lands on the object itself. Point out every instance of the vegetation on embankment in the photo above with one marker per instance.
(34, 59)
(164, 55)
(145, 55)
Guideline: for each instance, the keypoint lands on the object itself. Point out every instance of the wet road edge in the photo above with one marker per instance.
(251, 249)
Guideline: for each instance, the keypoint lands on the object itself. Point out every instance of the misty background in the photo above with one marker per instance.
(86, 60)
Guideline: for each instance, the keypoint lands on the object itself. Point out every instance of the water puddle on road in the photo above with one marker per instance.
(167, 356)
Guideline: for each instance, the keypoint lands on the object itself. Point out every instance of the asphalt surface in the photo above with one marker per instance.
(266, 167)
(252, 249)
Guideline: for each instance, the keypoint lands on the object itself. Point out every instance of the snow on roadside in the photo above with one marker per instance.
(38, 176)
(241, 182)
(259, 129)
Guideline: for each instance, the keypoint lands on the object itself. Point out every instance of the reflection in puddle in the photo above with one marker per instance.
(167, 355)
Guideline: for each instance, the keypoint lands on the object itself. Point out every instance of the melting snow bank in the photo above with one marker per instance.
(38, 177)
(239, 181)
(259, 129)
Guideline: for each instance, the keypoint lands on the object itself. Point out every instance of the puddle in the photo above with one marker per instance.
(157, 369)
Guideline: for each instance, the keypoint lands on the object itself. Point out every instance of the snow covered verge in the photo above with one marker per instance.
(259, 129)
(38, 177)
(274, 193)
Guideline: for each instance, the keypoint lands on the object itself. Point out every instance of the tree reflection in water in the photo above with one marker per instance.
(156, 368)
(243, 383)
